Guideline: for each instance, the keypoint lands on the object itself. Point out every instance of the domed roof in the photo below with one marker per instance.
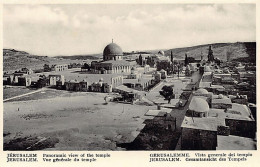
(202, 91)
(73, 81)
(112, 49)
(207, 69)
(161, 52)
(220, 96)
(199, 105)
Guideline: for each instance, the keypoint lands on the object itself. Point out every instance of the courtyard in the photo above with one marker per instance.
(75, 120)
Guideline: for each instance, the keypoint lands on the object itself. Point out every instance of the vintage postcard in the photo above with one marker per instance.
(124, 84)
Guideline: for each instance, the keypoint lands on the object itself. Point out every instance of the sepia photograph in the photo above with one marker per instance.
(121, 77)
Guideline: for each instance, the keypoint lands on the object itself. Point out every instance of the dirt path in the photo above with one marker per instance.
(26, 94)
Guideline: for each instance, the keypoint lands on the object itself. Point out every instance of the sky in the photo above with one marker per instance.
(54, 30)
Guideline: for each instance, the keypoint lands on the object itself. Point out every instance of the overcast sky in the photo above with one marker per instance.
(82, 29)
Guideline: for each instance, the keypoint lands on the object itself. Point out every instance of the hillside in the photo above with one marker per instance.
(81, 57)
(14, 59)
(220, 50)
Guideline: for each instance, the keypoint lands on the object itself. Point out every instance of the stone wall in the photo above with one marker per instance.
(242, 128)
(221, 105)
(224, 130)
(196, 139)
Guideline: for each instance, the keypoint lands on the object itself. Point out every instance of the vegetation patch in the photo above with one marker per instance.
(31, 143)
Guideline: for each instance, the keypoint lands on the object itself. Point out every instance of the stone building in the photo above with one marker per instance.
(107, 88)
(117, 81)
(96, 87)
(198, 138)
(13, 79)
(134, 74)
(195, 134)
(241, 121)
(53, 79)
(74, 85)
(113, 61)
(198, 108)
(100, 87)
(26, 71)
(146, 68)
(201, 92)
(202, 126)
(163, 74)
(221, 102)
(24, 81)
(60, 67)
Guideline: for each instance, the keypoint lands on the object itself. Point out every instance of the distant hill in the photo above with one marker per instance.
(81, 57)
(236, 51)
(14, 59)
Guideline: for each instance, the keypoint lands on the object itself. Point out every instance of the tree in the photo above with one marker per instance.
(42, 82)
(171, 57)
(166, 92)
(163, 65)
(150, 61)
(46, 68)
(191, 60)
(186, 59)
(86, 66)
(140, 60)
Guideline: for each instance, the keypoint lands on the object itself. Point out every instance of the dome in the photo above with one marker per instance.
(207, 69)
(161, 52)
(220, 96)
(202, 91)
(112, 49)
(199, 105)
(73, 81)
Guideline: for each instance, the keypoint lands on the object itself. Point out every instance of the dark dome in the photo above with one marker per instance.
(161, 52)
(112, 49)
